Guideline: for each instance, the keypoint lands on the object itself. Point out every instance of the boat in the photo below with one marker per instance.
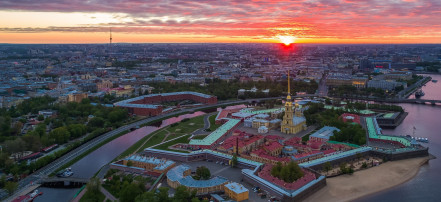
(434, 80)
(422, 139)
(29, 197)
(66, 173)
(419, 93)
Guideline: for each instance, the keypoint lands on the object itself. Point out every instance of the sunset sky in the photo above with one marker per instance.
(184, 21)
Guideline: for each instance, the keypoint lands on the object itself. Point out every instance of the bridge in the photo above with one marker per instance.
(57, 182)
(413, 101)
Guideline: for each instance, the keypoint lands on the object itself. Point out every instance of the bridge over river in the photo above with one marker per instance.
(58, 182)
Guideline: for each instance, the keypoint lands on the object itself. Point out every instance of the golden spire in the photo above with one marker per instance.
(288, 97)
(288, 84)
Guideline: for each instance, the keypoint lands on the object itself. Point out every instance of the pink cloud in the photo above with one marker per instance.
(341, 19)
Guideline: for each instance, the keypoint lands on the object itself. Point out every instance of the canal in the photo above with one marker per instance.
(92, 163)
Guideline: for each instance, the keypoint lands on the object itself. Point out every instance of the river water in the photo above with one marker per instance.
(92, 163)
(426, 185)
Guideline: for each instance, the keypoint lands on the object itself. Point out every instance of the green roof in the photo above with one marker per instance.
(374, 133)
(388, 115)
(366, 111)
(215, 135)
(264, 111)
(345, 143)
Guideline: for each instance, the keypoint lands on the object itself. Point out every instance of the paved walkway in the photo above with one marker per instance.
(79, 196)
(207, 125)
(305, 132)
(108, 195)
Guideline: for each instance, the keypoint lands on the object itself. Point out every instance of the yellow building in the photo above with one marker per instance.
(236, 191)
(257, 123)
(293, 120)
(76, 97)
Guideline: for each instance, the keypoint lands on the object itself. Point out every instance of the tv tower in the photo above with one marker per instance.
(110, 44)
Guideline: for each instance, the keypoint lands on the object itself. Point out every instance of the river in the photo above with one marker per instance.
(92, 163)
(425, 186)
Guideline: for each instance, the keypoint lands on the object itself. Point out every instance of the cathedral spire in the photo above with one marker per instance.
(289, 87)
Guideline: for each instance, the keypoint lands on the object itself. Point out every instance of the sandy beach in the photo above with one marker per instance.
(365, 182)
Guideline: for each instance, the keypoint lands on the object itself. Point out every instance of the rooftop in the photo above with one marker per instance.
(325, 133)
(215, 135)
(177, 174)
(236, 187)
(161, 164)
(128, 102)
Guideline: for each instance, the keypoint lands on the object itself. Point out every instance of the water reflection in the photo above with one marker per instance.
(426, 120)
(89, 165)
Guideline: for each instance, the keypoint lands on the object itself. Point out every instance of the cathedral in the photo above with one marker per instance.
(293, 120)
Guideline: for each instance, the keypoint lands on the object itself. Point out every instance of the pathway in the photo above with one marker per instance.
(145, 142)
(303, 133)
(79, 196)
(108, 195)
(206, 124)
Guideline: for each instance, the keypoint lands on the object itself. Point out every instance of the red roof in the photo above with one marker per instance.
(306, 154)
(264, 154)
(243, 139)
(315, 145)
(293, 140)
(270, 146)
(308, 176)
(273, 137)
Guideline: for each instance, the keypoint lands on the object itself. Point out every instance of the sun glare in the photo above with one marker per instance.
(287, 40)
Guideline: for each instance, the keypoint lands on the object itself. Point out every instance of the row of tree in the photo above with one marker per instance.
(229, 89)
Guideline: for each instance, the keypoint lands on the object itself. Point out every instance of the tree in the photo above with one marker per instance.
(15, 146)
(289, 173)
(147, 196)
(40, 118)
(234, 161)
(77, 130)
(96, 122)
(93, 192)
(327, 166)
(129, 163)
(203, 173)
(195, 199)
(59, 135)
(181, 194)
(11, 187)
(129, 192)
(364, 165)
(162, 194)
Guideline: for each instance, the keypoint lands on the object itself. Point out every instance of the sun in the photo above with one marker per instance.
(287, 40)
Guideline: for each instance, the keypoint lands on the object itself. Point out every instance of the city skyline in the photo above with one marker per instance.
(133, 21)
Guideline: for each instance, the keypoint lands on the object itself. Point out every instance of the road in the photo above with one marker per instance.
(50, 168)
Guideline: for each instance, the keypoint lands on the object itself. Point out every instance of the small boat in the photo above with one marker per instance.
(434, 81)
(422, 139)
(28, 198)
(419, 93)
(66, 173)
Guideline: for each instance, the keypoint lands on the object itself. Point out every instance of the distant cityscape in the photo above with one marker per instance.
(207, 122)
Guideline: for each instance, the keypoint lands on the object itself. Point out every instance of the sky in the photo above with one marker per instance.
(220, 21)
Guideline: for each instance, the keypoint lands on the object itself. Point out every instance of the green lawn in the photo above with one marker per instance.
(156, 139)
(183, 139)
(177, 130)
(213, 125)
(199, 137)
